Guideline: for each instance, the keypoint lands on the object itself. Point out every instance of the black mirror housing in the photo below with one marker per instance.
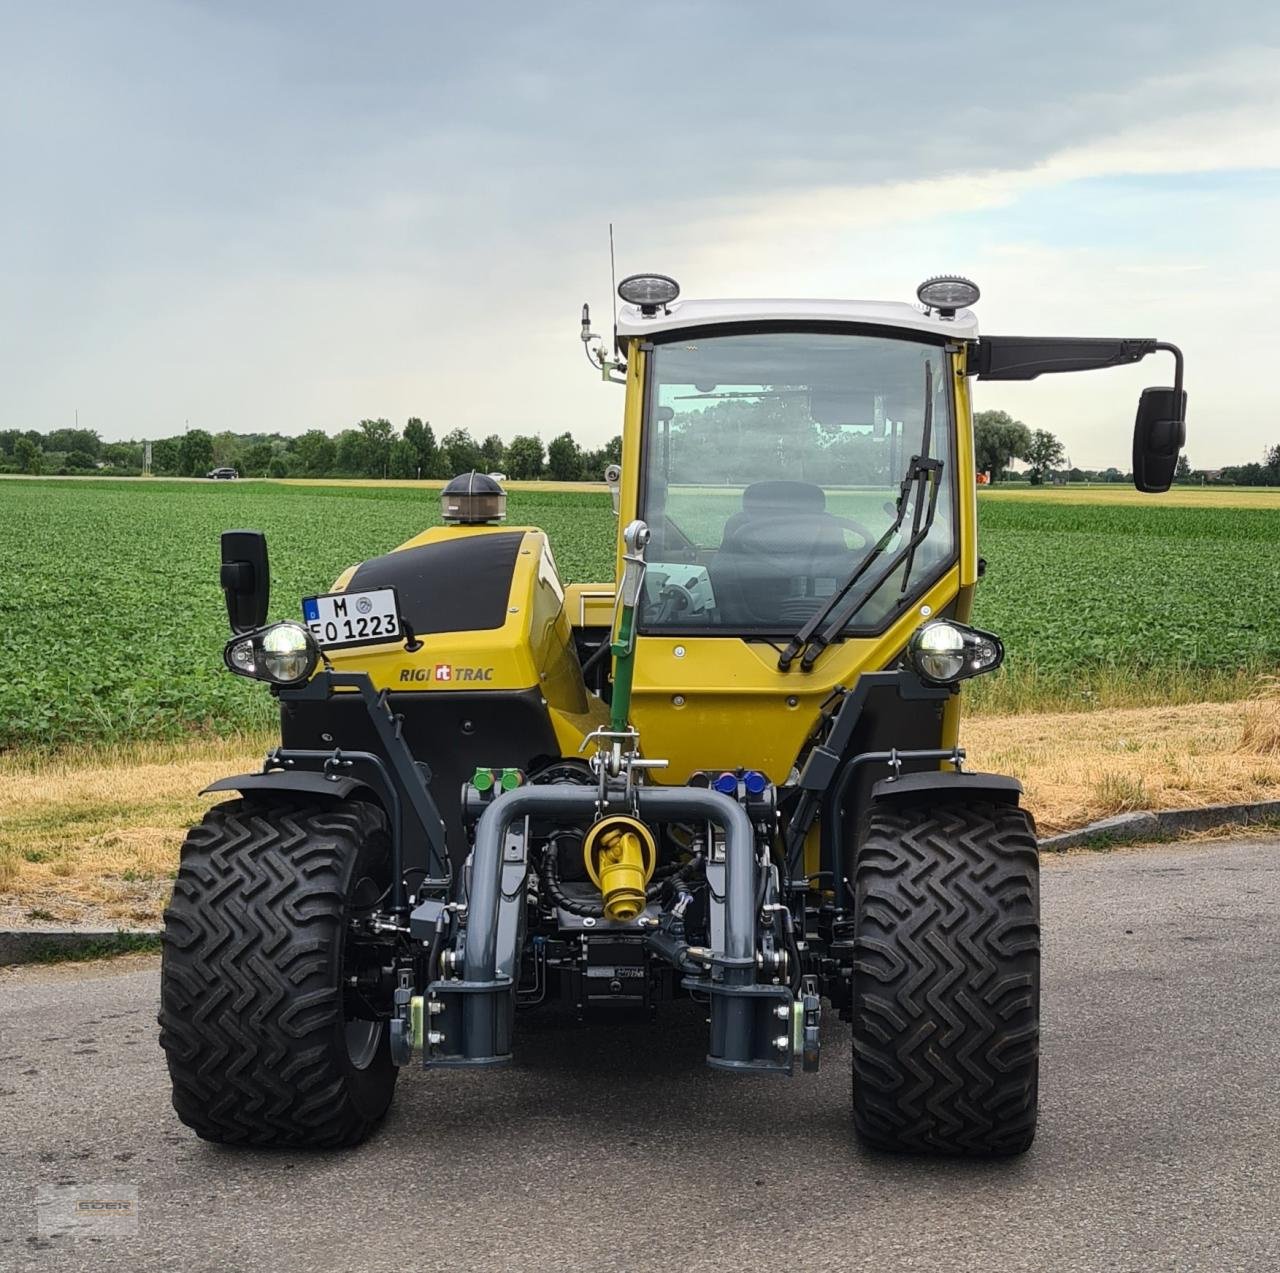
(1159, 433)
(245, 578)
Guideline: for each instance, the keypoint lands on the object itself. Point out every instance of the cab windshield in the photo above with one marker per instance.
(778, 464)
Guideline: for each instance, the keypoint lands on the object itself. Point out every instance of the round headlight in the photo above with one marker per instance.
(947, 293)
(288, 653)
(938, 650)
(648, 290)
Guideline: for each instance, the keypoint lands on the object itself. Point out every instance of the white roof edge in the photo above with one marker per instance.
(681, 314)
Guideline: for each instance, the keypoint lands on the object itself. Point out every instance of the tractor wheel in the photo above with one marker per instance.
(266, 1044)
(946, 983)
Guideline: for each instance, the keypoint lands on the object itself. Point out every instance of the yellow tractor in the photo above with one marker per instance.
(732, 775)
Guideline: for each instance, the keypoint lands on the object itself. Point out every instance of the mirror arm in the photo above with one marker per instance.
(1165, 347)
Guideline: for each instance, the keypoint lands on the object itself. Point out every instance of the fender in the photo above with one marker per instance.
(296, 782)
(938, 787)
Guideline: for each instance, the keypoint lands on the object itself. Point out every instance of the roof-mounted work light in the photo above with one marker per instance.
(947, 293)
(649, 291)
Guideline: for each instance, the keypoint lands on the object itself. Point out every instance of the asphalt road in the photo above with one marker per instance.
(1159, 1144)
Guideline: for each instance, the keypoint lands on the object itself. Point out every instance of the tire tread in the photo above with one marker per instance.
(251, 1003)
(946, 980)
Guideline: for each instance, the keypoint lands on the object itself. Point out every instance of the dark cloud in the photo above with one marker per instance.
(140, 127)
(217, 202)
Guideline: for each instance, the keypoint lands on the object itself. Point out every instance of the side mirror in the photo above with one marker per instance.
(1159, 432)
(246, 579)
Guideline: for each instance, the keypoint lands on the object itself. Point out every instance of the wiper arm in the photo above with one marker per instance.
(821, 629)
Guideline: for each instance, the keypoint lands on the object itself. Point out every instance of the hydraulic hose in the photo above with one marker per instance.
(672, 875)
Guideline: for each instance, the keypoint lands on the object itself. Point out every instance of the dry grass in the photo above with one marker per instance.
(1078, 766)
(1260, 727)
(1027, 690)
(1120, 493)
(94, 837)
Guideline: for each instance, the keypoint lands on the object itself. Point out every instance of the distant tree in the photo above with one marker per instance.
(122, 455)
(164, 455)
(85, 440)
(278, 466)
(314, 453)
(1043, 455)
(195, 453)
(1271, 463)
(27, 455)
(349, 456)
(461, 454)
(228, 450)
(8, 438)
(523, 460)
(426, 454)
(377, 437)
(80, 460)
(999, 439)
(594, 463)
(255, 460)
(493, 451)
(404, 460)
(564, 459)
(1183, 472)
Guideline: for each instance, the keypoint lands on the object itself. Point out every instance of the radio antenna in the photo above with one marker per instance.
(613, 294)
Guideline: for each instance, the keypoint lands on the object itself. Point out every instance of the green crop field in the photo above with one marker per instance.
(112, 624)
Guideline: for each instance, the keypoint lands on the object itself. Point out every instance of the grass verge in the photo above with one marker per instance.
(120, 943)
(92, 837)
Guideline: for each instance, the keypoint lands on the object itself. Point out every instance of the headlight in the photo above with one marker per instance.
(943, 652)
(283, 654)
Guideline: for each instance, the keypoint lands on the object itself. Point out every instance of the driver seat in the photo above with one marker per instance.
(780, 557)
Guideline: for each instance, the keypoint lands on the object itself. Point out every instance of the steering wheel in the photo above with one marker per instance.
(672, 592)
(857, 527)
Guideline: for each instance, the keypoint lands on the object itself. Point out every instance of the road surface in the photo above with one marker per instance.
(1159, 1144)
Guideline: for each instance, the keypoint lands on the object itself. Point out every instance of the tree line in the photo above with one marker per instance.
(999, 439)
(373, 449)
(376, 449)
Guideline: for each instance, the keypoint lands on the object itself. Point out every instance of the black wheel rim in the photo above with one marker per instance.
(363, 1038)
(361, 1034)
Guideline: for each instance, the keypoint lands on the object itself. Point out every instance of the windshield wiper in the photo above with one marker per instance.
(923, 475)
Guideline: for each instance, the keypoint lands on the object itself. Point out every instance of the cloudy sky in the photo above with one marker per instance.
(287, 216)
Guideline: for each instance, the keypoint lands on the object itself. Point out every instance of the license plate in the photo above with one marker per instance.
(353, 618)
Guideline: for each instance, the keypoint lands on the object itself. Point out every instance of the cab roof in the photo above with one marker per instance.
(683, 314)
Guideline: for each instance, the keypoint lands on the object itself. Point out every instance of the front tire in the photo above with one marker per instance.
(261, 1046)
(946, 985)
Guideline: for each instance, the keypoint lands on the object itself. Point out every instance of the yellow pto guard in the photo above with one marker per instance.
(620, 855)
